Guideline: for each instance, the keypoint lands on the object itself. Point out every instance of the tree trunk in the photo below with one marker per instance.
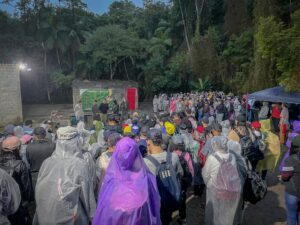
(45, 72)
(126, 70)
(184, 27)
(111, 72)
(198, 20)
(58, 57)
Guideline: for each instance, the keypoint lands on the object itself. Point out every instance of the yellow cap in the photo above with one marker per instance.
(127, 129)
(170, 128)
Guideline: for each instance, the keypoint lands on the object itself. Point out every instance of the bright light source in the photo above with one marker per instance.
(22, 66)
(28, 69)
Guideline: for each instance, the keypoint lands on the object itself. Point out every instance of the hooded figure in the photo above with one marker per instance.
(224, 184)
(10, 197)
(65, 177)
(237, 107)
(129, 194)
(264, 111)
(294, 133)
(155, 104)
(272, 154)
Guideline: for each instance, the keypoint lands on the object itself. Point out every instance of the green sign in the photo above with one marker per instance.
(90, 95)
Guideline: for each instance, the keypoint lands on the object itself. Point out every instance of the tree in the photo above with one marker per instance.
(110, 46)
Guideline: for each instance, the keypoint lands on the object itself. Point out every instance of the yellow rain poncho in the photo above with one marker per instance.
(272, 154)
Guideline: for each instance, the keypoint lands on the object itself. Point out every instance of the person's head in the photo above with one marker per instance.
(170, 128)
(295, 145)
(154, 139)
(111, 119)
(68, 143)
(188, 112)
(11, 144)
(177, 143)
(205, 122)
(113, 139)
(256, 125)
(18, 131)
(79, 102)
(219, 144)
(39, 133)
(9, 130)
(283, 105)
(176, 119)
(28, 123)
(95, 102)
(144, 132)
(216, 129)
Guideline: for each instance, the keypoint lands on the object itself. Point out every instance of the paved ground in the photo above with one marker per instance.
(270, 211)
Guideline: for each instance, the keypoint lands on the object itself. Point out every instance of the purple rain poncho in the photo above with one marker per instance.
(129, 194)
(294, 133)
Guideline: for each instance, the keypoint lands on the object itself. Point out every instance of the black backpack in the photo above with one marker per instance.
(250, 150)
(187, 178)
(255, 188)
(167, 183)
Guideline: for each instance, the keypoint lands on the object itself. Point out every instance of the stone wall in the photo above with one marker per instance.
(10, 94)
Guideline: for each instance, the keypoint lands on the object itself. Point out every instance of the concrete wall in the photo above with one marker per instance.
(10, 94)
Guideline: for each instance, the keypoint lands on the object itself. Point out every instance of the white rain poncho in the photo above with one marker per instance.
(221, 210)
(84, 139)
(10, 197)
(64, 191)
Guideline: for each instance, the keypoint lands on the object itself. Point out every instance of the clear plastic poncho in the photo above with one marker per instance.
(220, 211)
(64, 191)
(129, 194)
(10, 197)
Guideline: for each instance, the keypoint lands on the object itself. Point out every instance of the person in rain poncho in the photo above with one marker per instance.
(292, 134)
(84, 138)
(64, 194)
(155, 104)
(129, 195)
(223, 183)
(264, 111)
(10, 197)
(272, 153)
(79, 114)
(237, 107)
(104, 159)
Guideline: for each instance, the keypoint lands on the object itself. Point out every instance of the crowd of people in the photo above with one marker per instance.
(137, 168)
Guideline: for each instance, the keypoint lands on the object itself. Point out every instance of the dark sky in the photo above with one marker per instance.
(97, 6)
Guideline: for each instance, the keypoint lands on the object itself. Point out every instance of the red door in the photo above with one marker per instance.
(131, 98)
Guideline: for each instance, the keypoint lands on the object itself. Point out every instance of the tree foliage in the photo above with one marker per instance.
(167, 46)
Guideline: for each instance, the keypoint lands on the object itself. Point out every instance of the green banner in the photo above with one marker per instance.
(89, 96)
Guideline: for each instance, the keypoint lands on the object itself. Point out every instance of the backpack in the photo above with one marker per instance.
(168, 183)
(228, 182)
(250, 149)
(255, 188)
(187, 178)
